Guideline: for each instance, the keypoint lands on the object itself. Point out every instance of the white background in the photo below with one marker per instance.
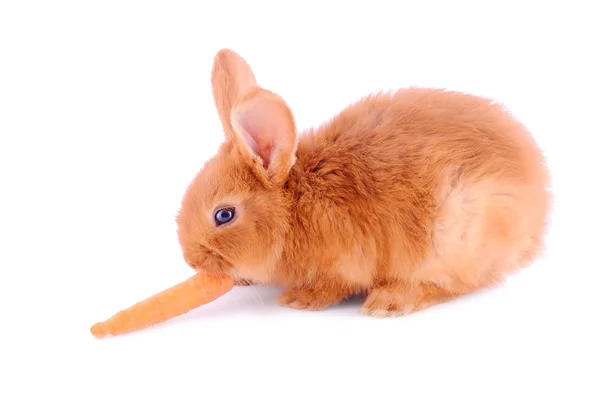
(106, 114)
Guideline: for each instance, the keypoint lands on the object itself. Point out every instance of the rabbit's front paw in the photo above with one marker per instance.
(309, 299)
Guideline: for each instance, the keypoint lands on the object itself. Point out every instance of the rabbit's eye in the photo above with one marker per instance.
(224, 215)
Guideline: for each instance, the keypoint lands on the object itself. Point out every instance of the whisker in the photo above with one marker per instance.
(257, 294)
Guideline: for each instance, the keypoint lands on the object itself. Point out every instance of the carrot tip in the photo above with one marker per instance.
(98, 330)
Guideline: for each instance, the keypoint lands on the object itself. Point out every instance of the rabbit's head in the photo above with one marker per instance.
(235, 212)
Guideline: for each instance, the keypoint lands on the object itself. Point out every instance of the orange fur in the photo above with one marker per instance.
(413, 197)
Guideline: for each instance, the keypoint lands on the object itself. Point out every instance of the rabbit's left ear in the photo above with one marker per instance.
(265, 126)
(230, 77)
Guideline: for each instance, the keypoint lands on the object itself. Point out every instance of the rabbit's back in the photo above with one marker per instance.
(426, 130)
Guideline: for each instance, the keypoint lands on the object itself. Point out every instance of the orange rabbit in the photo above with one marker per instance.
(412, 198)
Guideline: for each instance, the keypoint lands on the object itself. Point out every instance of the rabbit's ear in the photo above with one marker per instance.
(230, 77)
(266, 128)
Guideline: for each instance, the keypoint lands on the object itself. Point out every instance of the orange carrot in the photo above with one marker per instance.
(198, 290)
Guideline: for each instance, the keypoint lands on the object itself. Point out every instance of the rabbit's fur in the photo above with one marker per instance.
(413, 197)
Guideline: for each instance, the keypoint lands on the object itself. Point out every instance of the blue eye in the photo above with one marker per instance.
(224, 215)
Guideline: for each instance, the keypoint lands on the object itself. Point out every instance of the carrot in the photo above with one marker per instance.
(198, 290)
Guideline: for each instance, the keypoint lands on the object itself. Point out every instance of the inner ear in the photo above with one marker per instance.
(266, 125)
(260, 130)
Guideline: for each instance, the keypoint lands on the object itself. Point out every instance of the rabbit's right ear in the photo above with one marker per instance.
(231, 76)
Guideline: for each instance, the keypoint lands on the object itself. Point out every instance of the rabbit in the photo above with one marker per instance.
(410, 198)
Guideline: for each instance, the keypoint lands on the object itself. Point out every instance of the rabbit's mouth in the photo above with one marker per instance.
(211, 262)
